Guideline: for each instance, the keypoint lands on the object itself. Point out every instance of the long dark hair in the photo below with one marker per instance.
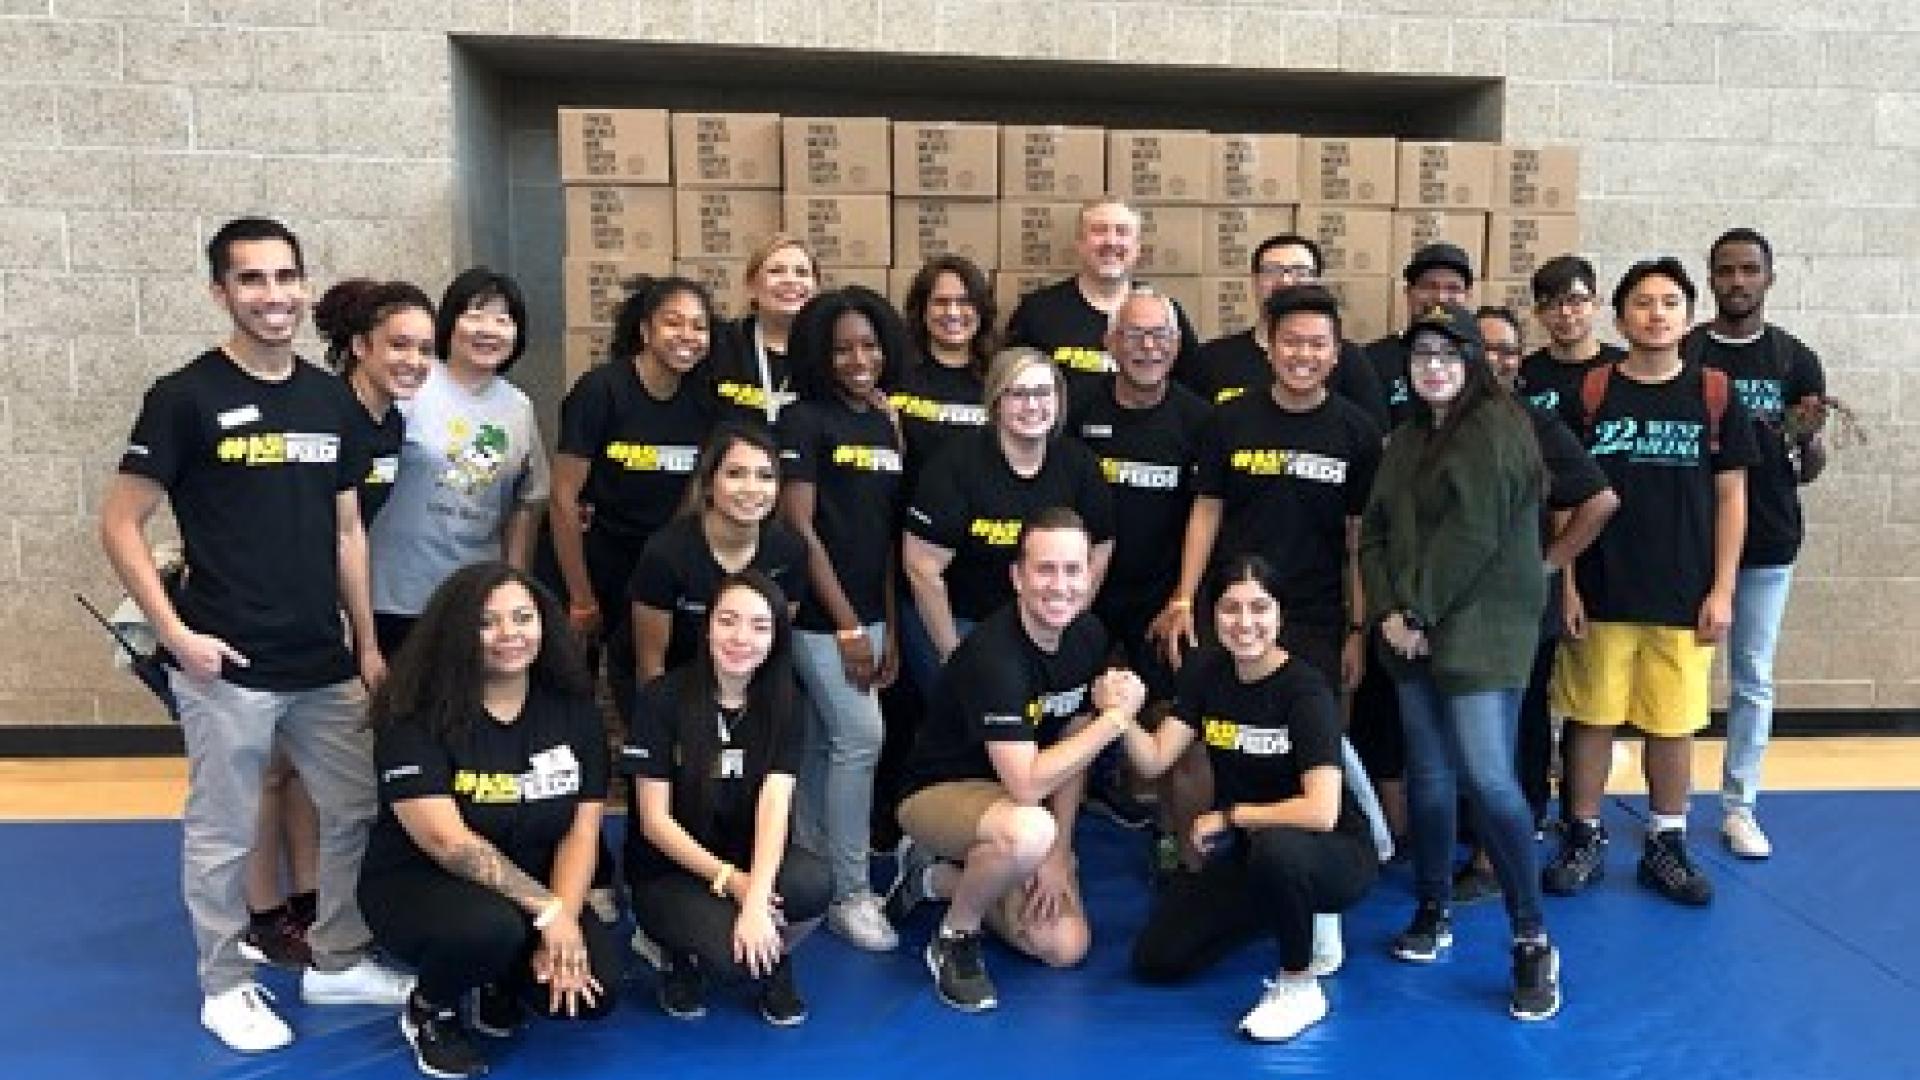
(696, 695)
(645, 297)
(920, 293)
(726, 434)
(810, 344)
(355, 307)
(1480, 390)
(437, 677)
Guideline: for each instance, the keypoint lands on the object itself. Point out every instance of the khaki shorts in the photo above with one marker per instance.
(945, 819)
(1652, 677)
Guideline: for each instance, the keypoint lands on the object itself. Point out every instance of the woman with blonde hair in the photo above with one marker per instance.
(750, 354)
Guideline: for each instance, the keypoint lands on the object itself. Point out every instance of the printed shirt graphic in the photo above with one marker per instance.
(1547, 383)
(935, 403)
(1769, 373)
(852, 460)
(469, 460)
(639, 450)
(1146, 457)
(1057, 320)
(1653, 563)
(1227, 367)
(678, 574)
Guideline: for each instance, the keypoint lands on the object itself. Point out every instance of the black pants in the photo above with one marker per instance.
(1535, 751)
(1276, 884)
(459, 935)
(391, 632)
(1375, 728)
(681, 912)
(610, 563)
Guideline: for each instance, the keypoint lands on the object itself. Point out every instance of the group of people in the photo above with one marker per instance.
(850, 572)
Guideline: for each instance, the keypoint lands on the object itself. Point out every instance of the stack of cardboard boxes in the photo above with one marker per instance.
(695, 193)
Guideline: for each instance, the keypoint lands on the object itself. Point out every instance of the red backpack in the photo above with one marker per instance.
(1714, 386)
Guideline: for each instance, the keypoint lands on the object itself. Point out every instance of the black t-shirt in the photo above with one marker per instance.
(640, 450)
(1262, 737)
(1288, 482)
(1769, 374)
(1146, 456)
(382, 440)
(252, 469)
(853, 461)
(1653, 563)
(747, 749)
(998, 686)
(733, 366)
(678, 574)
(1390, 357)
(971, 502)
(1546, 382)
(1058, 320)
(1227, 367)
(1573, 477)
(516, 785)
(935, 403)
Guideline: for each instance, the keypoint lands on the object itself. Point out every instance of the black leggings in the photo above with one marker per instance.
(1375, 729)
(681, 912)
(459, 935)
(1284, 878)
(1535, 750)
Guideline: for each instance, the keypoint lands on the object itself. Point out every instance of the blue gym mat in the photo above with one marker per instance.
(1806, 966)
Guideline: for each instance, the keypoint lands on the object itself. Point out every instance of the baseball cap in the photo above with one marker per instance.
(1442, 256)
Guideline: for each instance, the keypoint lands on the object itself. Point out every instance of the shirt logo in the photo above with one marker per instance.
(1764, 398)
(399, 772)
(1224, 734)
(959, 414)
(475, 456)
(551, 774)
(650, 457)
(233, 418)
(1298, 464)
(1140, 474)
(1654, 442)
(1083, 360)
(995, 533)
(880, 459)
(1096, 431)
(1228, 393)
(383, 471)
(269, 448)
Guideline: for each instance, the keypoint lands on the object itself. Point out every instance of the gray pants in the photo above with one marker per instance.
(835, 798)
(231, 731)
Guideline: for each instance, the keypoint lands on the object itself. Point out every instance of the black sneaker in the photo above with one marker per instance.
(683, 990)
(1536, 980)
(1666, 868)
(1581, 862)
(497, 1011)
(1426, 937)
(909, 887)
(439, 1041)
(276, 937)
(959, 975)
(1474, 883)
(780, 1002)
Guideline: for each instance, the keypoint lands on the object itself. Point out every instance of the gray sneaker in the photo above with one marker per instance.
(909, 889)
(959, 975)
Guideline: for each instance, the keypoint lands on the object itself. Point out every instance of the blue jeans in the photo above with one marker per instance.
(1759, 603)
(845, 729)
(1468, 740)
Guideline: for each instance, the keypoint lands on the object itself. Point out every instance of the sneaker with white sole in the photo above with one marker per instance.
(244, 1019)
(368, 982)
(440, 1044)
(858, 918)
(1289, 1006)
(1743, 834)
(910, 887)
(1329, 950)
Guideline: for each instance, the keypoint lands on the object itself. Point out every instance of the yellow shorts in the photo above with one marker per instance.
(1653, 677)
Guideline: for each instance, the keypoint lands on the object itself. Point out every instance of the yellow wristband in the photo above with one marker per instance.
(720, 879)
(1180, 604)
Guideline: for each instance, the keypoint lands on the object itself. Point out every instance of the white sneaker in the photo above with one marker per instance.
(368, 982)
(858, 918)
(1329, 951)
(243, 1019)
(1290, 1006)
(1744, 835)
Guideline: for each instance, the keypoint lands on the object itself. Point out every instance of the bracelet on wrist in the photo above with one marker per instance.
(720, 879)
(549, 913)
(1179, 603)
(854, 634)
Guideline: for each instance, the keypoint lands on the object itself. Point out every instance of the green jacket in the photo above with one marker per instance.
(1459, 546)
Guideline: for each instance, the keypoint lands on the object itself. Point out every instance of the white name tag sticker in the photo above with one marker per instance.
(233, 418)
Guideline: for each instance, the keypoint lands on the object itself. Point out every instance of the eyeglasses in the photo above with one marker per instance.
(1297, 271)
(1572, 301)
(1436, 357)
(1028, 393)
(1149, 335)
(1501, 349)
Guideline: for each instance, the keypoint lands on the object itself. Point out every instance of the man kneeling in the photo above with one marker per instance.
(1000, 766)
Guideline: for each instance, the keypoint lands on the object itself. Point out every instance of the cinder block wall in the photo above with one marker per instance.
(135, 126)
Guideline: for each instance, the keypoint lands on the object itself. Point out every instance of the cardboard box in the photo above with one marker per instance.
(867, 277)
(1185, 289)
(842, 230)
(836, 155)
(1446, 175)
(1415, 229)
(1537, 179)
(1367, 306)
(1050, 163)
(1228, 235)
(926, 228)
(1169, 240)
(1257, 170)
(726, 150)
(715, 223)
(616, 220)
(1518, 243)
(593, 288)
(899, 280)
(1347, 172)
(1227, 306)
(1517, 297)
(1010, 285)
(1159, 166)
(1353, 242)
(625, 146)
(585, 347)
(1039, 235)
(725, 279)
(946, 159)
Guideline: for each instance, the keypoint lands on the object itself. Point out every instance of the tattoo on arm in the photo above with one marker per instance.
(481, 863)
